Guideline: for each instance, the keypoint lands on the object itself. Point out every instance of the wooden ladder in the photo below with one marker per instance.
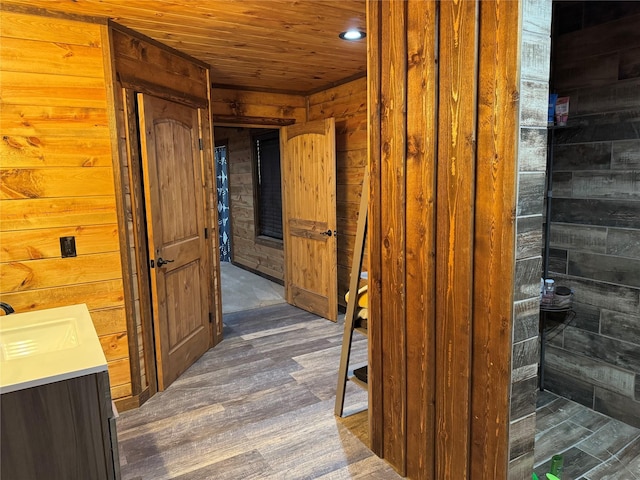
(351, 317)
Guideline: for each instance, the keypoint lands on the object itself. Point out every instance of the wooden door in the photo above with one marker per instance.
(172, 171)
(309, 212)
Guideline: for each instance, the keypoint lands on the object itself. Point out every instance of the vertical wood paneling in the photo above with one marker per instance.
(393, 178)
(454, 264)
(420, 236)
(494, 250)
(374, 238)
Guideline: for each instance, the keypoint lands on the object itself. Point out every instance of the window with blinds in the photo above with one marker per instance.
(268, 189)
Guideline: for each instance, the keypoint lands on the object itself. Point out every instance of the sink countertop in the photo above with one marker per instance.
(47, 346)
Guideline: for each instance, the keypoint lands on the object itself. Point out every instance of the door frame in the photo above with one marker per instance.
(139, 258)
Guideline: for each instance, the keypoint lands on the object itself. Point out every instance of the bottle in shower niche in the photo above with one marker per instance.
(548, 292)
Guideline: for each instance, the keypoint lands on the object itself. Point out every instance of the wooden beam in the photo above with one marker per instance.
(233, 120)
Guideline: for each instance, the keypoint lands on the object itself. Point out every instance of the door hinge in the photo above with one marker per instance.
(210, 317)
(206, 233)
(200, 144)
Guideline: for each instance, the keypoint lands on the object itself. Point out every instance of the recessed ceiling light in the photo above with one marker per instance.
(352, 35)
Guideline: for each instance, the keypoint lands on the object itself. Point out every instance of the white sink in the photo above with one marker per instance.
(38, 338)
(48, 346)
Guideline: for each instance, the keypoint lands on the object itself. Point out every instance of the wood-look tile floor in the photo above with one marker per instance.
(594, 446)
(257, 406)
(260, 406)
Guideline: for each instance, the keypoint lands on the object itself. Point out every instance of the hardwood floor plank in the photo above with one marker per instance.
(305, 443)
(258, 406)
(171, 463)
(249, 465)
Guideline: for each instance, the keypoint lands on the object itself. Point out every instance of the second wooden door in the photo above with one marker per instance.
(309, 211)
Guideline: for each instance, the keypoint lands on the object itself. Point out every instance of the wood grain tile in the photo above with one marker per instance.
(575, 463)
(258, 406)
(610, 439)
(594, 446)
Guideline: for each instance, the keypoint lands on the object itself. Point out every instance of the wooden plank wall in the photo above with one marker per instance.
(260, 110)
(348, 105)
(57, 178)
(265, 257)
(595, 211)
(443, 107)
(246, 108)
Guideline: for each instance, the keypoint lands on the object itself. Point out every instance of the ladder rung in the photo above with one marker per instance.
(359, 382)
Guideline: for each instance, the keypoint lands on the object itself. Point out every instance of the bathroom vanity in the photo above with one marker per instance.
(57, 420)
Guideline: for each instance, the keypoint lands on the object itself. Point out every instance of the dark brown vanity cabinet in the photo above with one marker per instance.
(63, 430)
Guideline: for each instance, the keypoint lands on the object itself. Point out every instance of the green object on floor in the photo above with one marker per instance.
(534, 477)
(551, 476)
(557, 462)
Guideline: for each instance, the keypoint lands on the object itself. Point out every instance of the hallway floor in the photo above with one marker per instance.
(243, 290)
(260, 406)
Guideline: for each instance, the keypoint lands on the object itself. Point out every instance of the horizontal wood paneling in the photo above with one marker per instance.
(46, 29)
(40, 213)
(257, 105)
(57, 177)
(115, 346)
(96, 295)
(56, 182)
(31, 151)
(27, 88)
(109, 321)
(20, 245)
(119, 373)
(20, 55)
(47, 273)
(35, 121)
(280, 47)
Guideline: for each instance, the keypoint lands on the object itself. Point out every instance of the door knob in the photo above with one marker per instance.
(161, 261)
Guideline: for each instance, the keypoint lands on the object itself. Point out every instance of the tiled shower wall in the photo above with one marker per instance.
(534, 82)
(595, 229)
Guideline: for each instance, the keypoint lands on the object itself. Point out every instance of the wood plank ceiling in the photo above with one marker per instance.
(267, 45)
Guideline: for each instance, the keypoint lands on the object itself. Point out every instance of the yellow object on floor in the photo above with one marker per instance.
(363, 297)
